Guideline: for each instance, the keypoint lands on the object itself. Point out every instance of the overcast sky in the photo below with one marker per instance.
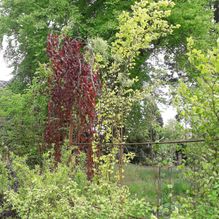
(4, 70)
(167, 112)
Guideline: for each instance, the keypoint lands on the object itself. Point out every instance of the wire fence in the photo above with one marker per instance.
(155, 169)
(153, 173)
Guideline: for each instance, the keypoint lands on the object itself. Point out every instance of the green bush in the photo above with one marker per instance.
(64, 192)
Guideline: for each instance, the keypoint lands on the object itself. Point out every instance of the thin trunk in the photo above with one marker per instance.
(216, 11)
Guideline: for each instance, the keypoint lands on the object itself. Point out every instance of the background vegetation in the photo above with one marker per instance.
(119, 47)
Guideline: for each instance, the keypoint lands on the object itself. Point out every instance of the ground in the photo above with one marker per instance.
(142, 181)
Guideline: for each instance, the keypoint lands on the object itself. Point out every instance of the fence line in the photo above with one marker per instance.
(186, 141)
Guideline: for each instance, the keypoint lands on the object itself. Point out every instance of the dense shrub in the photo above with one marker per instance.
(65, 192)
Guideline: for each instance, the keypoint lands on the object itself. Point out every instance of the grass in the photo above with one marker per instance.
(142, 182)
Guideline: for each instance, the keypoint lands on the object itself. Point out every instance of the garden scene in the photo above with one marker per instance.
(109, 109)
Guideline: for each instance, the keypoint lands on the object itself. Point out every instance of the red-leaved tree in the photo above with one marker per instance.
(73, 93)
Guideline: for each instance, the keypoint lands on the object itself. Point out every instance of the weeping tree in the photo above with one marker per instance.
(73, 92)
(75, 84)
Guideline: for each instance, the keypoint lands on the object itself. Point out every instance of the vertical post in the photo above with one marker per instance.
(90, 162)
(121, 150)
(120, 163)
(158, 191)
(171, 188)
(70, 139)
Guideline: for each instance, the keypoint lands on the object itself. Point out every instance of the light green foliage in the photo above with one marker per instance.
(122, 99)
(27, 24)
(201, 106)
(65, 193)
(176, 215)
(108, 166)
(201, 102)
(139, 28)
(164, 155)
(23, 116)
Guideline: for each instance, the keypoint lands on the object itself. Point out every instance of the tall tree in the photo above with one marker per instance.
(199, 106)
(26, 25)
(74, 88)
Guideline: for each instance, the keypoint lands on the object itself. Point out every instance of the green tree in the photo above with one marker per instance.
(144, 122)
(201, 102)
(26, 25)
(23, 117)
(199, 106)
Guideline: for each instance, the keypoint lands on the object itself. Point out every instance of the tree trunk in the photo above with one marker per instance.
(216, 11)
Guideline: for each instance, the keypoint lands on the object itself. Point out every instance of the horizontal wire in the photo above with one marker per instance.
(186, 141)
